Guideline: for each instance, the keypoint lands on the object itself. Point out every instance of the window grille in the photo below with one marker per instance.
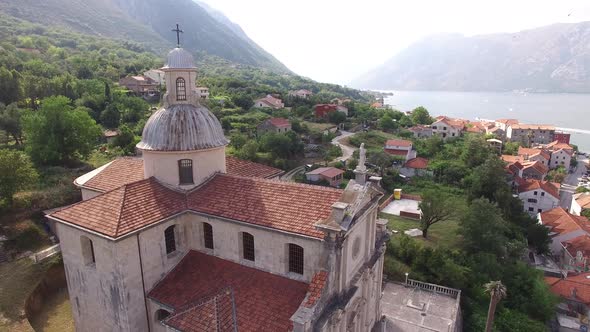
(208, 235)
(185, 171)
(295, 258)
(170, 239)
(180, 89)
(248, 246)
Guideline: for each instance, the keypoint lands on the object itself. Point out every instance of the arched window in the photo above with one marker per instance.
(248, 246)
(295, 258)
(162, 314)
(208, 235)
(180, 89)
(87, 250)
(185, 171)
(170, 239)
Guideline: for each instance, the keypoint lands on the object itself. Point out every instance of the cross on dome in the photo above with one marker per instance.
(178, 32)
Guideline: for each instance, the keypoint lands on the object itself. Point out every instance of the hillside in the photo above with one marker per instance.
(554, 58)
(147, 22)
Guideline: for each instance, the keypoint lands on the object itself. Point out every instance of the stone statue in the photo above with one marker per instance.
(362, 158)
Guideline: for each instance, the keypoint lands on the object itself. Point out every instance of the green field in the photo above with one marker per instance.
(443, 234)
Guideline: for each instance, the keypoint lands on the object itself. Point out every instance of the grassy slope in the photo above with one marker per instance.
(443, 234)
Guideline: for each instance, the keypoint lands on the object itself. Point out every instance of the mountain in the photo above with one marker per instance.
(553, 58)
(149, 22)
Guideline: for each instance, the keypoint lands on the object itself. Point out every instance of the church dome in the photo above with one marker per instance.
(182, 127)
(179, 58)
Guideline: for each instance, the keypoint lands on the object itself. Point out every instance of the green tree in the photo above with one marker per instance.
(497, 292)
(125, 140)
(110, 117)
(475, 151)
(382, 160)
(249, 150)
(16, 173)
(483, 228)
(437, 206)
(511, 148)
(10, 121)
(387, 123)
(238, 140)
(336, 117)
(57, 133)
(420, 115)
(9, 85)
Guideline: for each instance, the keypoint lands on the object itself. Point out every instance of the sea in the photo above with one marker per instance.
(568, 112)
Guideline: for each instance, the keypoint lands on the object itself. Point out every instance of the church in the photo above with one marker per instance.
(185, 238)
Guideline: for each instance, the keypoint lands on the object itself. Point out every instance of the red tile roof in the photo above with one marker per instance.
(507, 121)
(398, 142)
(580, 243)
(285, 206)
(271, 101)
(316, 287)
(240, 167)
(418, 163)
(125, 209)
(531, 126)
(562, 222)
(279, 122)
(396, 152)
(583, 200)
(574, 287)
(213, 314)
(511, 159)
(264, 301)
(537, 166)
(127, 170)
(532, 184)
(531, 152)
(327, 171)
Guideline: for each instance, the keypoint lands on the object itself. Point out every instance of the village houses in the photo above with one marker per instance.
(538, 196)
(580, 202)
(323, 110)
(530, 134)
(421, 131)
(447, 128)
(274, 125)
(269, 102)
(156, 75)
(400, 148)
(302, 93)
(332, 175)
(140, 85)
(179, 240)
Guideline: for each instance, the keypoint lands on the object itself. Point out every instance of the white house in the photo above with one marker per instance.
(538, 196)
(203, 92)
(183, 244)
(269, 102)
(580, 202)
(447, 128)
(400, 148)
(563, 227)
(157, 76)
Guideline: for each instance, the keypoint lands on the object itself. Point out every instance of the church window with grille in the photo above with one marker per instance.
(185, 171)
(248, 246)
(295, 258)
(208, 235)
(170, 239)
(180, 89)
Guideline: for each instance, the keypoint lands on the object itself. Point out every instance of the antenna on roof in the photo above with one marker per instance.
(178, 32)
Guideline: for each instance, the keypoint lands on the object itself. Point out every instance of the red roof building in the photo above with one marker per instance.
(322, 110)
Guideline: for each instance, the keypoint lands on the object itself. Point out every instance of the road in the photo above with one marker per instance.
(347, 150)
(569, 185)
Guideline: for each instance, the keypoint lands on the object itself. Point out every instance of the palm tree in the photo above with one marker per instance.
(497, 292)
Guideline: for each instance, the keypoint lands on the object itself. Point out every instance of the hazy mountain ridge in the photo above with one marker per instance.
(554, 58)
(148, 22)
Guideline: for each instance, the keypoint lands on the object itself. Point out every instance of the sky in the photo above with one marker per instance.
(338, 40)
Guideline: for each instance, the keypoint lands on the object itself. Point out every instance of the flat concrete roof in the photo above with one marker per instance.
(413, 309)
(398, 205)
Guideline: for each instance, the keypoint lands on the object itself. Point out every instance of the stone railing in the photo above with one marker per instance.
(454, 293)
(46, 253)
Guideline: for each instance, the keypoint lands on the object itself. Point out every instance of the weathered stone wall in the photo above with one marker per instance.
(107, 295)
(53, 281)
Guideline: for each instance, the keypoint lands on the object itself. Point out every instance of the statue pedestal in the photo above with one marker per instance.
(360, 176)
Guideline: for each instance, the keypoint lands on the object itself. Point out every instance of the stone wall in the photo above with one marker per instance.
(53, 281)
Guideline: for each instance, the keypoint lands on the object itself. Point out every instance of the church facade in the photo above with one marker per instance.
(187, 239)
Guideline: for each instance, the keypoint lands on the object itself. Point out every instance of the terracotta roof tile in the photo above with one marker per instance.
(532, 126)
(327, 171)
(531, 152)
(532, 184)
(264, 302)
(583, 199)
(562, 222)
(279, 122)
(125, 209)
(285, 206)
(316, 287)
(574, 287)
(122, 171)
(398, 142)
(418, 163)
(537, 166)
(580, 243)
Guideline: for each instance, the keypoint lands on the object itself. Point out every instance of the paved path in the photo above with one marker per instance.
(347, 150)
(569, 185)
(290, 174)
